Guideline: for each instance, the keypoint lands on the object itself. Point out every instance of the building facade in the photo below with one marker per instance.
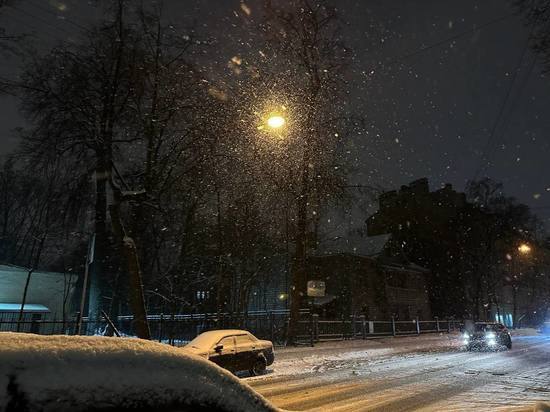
(373, 286)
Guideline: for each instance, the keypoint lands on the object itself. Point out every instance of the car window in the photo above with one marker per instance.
(227, 342)
(243, 340)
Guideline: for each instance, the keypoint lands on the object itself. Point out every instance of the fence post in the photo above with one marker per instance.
(311, 330)
(271, 326)
(393, 326)
(316, 327)
(343, 327)
(371, 327)
(436, 323)
(160, 327)
(417, 326)
(75, 326)
(448, 326)
(363, 327)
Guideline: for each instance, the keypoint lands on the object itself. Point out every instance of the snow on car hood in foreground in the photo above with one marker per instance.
(67, 373)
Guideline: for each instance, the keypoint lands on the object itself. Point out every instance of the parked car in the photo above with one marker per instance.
(487, 335)
(233, 349)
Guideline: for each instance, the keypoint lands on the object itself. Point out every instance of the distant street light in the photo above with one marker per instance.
(524, 249)
(276, 121)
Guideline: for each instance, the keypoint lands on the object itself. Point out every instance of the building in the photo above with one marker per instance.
(50, 295)
(412, 204)
(374, 286)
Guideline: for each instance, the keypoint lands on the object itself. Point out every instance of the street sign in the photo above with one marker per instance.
(316, 288)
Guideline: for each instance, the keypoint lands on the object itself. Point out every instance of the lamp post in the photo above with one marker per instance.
(523, 250)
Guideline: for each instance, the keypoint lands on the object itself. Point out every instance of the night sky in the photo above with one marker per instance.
(430, 115)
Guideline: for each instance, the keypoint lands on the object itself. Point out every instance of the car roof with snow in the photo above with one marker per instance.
(207, 339)
(225, 332)
(56, 373)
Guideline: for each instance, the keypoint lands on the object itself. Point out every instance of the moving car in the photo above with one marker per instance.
(487, 335)
(61, 373)
(233, 349)
(545, 327)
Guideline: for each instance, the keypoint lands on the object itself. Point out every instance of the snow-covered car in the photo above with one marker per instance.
(487, 335)
(233, 349)
(92, 373)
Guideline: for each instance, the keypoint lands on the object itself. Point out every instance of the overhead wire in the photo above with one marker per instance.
(63, 18)
(43, 21)
(424, 49)
(509, 117)
(491, 137)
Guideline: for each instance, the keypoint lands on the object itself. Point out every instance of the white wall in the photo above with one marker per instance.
(45, 288)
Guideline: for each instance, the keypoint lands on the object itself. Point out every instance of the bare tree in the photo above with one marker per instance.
(305, 38)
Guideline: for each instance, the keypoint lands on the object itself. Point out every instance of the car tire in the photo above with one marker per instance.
(509, 343)
(259, 367)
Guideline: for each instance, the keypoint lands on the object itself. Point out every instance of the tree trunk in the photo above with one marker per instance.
(298, 270)
(98, 277)
(24, 300)
(515, 306)
(129, 250)
(221, 291)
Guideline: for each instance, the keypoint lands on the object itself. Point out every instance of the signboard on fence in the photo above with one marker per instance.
(316, 288)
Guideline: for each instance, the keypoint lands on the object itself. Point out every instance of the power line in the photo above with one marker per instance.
(42, 20)
(503, 106)
(30, 27)
(508, 118)
(444, 41)
(44, 9)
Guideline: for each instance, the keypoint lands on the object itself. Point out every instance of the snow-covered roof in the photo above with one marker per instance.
(4, 267)
(74, 373)
(29, 307)
(224, 332)
(207, 339)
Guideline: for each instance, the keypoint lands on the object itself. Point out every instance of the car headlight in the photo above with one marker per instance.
(490, 335)
(466, 335)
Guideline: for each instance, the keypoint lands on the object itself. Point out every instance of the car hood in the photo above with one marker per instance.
(195, 351)
(266, 343)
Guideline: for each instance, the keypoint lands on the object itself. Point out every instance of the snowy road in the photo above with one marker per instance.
(429, 372)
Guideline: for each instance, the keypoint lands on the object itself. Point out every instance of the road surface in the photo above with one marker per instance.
(424, 373)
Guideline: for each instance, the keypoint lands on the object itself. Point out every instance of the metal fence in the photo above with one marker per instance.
(272, 325)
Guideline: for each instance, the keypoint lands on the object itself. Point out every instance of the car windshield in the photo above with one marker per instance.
(363, 186)
(483, 327)
(206, 340)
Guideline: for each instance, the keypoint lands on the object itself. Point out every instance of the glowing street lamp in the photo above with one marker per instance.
(524, 249)
(276, 121)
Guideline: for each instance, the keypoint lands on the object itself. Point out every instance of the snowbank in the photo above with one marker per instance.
(72, 373)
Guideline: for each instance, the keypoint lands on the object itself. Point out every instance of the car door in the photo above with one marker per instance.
(225, 357)
(246, 352)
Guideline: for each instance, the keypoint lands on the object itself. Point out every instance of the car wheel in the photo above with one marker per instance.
(258, 368)
(509, 343)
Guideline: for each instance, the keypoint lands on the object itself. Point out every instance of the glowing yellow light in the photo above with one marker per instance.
(282, 296)
(524, 248)
(275, 122)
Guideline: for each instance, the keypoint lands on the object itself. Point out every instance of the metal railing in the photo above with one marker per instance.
(272, 325)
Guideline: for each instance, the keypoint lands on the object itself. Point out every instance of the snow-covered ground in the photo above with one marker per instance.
(428, 372)
(74, 373)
